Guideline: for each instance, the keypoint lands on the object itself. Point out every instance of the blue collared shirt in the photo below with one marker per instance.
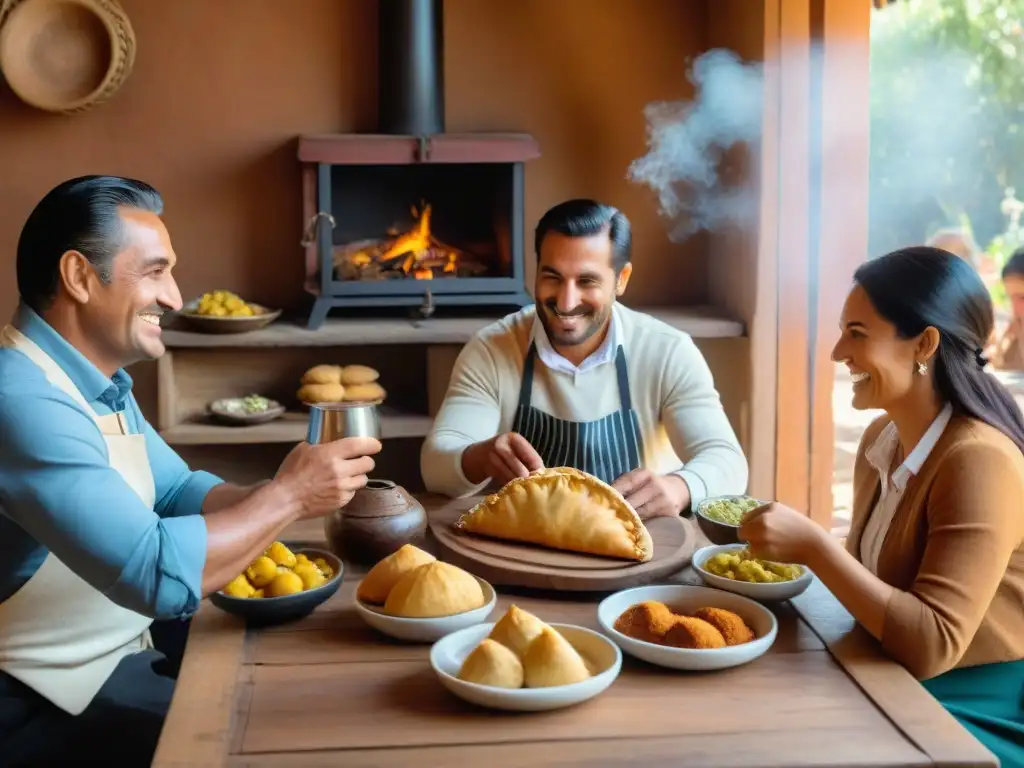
(58, 492)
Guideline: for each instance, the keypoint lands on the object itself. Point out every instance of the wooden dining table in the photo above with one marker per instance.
(328, 690)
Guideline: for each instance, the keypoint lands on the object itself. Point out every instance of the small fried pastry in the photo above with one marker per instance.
(647, 621)
(312, 394)
(364, 393)
(551, 660)
(563, 508)
(733, 628)
(517, 629)
(352, 375)
(688, 632)
(491, 663)
(322, 374)
(381, 579)
(432, 590)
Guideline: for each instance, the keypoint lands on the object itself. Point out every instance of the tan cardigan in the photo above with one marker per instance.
(954, 551)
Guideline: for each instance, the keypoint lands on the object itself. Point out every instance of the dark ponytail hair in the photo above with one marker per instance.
(914, 288)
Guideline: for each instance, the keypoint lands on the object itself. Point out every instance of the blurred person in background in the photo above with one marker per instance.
(957, 241)
(1006, 353)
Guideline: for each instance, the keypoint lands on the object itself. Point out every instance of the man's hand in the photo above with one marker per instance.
(325, 477)
(653, 495)
(502, 458)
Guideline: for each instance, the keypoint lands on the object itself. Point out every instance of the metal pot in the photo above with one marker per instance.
(334, 421)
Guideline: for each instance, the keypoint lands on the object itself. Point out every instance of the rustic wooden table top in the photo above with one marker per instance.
(328, 690)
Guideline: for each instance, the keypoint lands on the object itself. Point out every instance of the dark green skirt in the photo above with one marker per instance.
(989, 702)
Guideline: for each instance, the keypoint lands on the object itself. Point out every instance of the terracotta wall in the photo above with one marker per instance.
(221, 88)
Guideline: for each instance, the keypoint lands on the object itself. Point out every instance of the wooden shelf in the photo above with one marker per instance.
(388, 149)
(290, 428)
(699, 322)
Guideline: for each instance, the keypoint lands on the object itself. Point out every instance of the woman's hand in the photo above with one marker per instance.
(776, 532)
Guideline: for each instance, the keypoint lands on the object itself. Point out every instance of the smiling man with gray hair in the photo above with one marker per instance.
(103, 528)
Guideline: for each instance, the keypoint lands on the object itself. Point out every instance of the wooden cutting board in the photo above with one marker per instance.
(504, 563)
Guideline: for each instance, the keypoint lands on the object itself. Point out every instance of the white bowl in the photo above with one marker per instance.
(776, 591)
(686, 599)
(426, 630)
(601, 655)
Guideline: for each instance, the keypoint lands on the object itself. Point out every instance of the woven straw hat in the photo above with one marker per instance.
(65, 55)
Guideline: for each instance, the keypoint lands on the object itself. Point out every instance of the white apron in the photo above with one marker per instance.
(58, 635)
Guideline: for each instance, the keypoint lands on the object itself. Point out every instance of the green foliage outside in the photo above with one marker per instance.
(947, 121)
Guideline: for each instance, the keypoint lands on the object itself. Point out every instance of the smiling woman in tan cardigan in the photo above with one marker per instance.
(934, 563)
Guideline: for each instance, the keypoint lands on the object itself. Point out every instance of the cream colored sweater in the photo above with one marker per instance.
(684, 426)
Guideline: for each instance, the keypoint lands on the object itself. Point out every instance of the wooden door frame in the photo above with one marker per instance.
(814, 233)
(841, 34)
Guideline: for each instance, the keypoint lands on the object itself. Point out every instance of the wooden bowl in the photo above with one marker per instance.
(65, 55)
(211, 324)
(263, 611)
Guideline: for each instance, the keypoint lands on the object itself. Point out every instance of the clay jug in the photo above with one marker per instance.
(380, 518)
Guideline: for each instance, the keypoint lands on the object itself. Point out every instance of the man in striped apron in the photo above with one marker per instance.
(107, 538)
(580, 380)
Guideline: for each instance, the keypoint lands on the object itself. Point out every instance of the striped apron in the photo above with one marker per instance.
(606, 448)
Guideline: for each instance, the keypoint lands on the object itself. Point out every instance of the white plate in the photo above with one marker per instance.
(426, 630)
(686, 599)
(601, 655)
(779, 590)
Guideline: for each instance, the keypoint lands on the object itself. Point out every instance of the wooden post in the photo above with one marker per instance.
(841, 31)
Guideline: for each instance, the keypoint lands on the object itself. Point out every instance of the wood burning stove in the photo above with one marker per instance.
(414, 216)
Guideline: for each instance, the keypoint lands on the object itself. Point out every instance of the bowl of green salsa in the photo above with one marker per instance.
(719, 517)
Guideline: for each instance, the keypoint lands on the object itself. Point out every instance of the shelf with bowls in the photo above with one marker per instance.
(700, 322)
(289, 428)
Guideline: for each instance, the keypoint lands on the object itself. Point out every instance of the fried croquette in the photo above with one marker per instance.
(689, 632)
(647, 621)
(733, 628)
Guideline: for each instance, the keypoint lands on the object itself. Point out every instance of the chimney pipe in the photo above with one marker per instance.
(410, 66)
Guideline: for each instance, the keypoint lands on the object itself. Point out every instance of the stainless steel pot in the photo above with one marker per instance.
(333, 421)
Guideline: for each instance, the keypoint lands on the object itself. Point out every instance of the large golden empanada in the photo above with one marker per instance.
(551, 660)
(433, 590)
(381, 579)
(517, 629)
(562, 508)
(491, 663)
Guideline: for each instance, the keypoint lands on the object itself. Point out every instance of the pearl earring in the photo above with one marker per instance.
(922, 369)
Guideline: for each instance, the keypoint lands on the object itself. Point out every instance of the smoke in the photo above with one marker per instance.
(689, 140)
(932, 129)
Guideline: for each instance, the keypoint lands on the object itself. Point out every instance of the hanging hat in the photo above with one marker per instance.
(65, 55)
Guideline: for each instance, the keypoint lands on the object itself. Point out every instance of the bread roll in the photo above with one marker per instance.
(358, 374)
(322, 374)
(365, 393)
(321, 393)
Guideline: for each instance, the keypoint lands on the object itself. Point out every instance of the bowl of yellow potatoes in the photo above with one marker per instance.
(733, 568)
(226, 312)
(283, 584)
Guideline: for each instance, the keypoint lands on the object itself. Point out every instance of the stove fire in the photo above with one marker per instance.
(415, 254)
